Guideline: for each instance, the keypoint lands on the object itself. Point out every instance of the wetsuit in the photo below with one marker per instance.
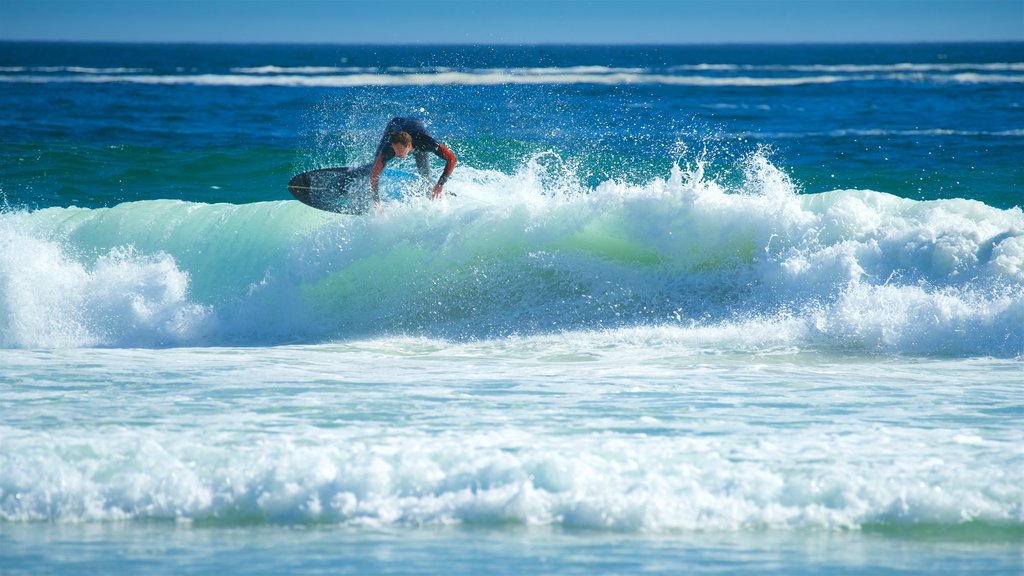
(422, 144)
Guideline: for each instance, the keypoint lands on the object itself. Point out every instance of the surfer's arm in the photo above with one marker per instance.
(449, 164)
(378, 167)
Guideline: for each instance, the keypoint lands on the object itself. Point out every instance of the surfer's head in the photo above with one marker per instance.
(401, 143)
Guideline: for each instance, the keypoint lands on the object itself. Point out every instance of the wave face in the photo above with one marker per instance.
(523, 253)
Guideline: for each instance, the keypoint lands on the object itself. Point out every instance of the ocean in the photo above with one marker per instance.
(684, 309)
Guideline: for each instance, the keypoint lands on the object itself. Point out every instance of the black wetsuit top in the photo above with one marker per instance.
(422, 143)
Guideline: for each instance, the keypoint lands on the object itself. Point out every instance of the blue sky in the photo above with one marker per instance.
(513, 21)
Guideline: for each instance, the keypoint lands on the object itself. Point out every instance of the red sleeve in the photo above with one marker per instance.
(449, 162)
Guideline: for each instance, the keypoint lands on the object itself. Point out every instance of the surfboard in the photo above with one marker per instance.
(346, 189)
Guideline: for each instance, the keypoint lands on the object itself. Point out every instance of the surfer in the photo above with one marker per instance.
(404, 135)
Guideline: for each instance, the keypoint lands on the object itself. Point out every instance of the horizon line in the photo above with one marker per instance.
(513, 44)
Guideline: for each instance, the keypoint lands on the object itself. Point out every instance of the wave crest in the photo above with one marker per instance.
(529, 252)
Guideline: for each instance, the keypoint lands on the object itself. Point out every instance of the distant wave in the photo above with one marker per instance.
(856, 68)
(581, 69)
(74, 70)
(483, 78)
(429, 69)
(880, 132)
(486, 79)
(304, 70)
(682, 75)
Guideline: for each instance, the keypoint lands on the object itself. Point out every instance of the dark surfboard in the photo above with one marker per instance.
(340, 189)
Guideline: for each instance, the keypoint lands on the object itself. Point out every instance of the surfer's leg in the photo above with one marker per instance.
(422, 163)
(392, 126)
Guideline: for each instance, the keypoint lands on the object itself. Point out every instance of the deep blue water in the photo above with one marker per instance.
(98, 124)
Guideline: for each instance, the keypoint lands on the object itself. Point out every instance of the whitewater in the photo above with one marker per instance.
(637, 319)
(529, 253)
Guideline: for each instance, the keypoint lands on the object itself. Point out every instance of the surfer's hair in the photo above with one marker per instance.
(402, 138)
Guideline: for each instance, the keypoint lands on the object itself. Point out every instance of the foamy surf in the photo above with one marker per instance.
(607, 482)
(634, 431)
(525, 253)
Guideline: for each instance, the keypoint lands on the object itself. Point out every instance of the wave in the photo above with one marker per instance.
(388, 477)
(270, 69)
(525, 253)
(584, 69)
(75, 69)
(879, 132)
(974, 78)
(857, 68)
(316, 76)
(483, 78)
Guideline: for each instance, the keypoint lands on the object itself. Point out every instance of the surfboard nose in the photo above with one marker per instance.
(299, 187)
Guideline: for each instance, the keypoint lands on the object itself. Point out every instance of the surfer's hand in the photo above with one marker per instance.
(438, 192)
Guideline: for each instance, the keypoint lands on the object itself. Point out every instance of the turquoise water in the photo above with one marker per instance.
(687, 309)
(334, 550)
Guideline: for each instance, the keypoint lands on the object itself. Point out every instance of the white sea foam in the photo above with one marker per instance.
(77, 70)
(974, 78)
(858, 68)
(270, 69)
(330, 76)
(932, 69)
(877, 132)
(452, 78)
(49, 299)
(529, 252)
(380, 475)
